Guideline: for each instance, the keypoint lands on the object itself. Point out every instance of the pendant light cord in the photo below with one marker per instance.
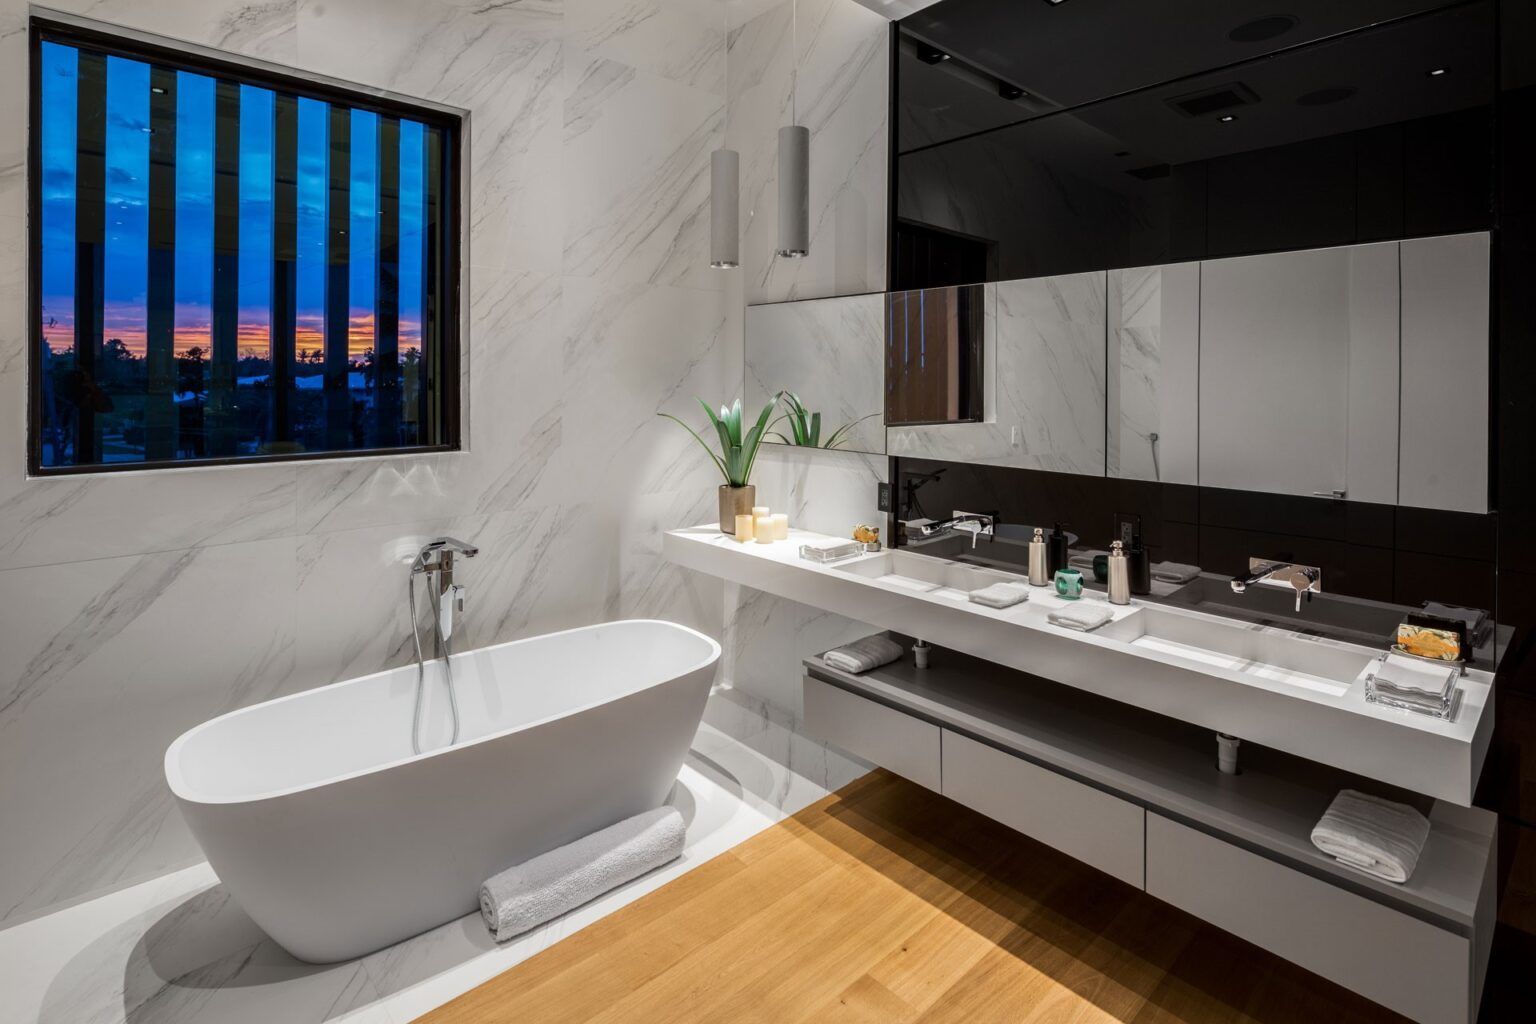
(794, 59)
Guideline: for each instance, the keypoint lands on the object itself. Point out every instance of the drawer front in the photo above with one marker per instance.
(907, 746)
(1089, 824)
(1409, 965)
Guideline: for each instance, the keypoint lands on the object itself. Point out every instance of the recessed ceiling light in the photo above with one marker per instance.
(1009, 91)
(1055, 3)
(1260, 29)
(931, 54)
(1224, 118)
(1435, 72)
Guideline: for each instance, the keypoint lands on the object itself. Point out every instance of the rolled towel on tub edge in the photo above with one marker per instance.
(544, 887)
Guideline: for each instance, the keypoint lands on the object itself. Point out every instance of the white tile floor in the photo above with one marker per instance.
(178, 949)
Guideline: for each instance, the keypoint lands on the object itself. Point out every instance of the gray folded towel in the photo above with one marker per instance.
(561, 880)
(863, 655)
(1004, 594)
(1174, 572)
(1381, 837)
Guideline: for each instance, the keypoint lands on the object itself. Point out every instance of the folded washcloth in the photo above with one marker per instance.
(1421, 683)
(1004, 594)
(561, 880)
(1084, 617)
(863, 655)
(1174, 572)
(1375, 835)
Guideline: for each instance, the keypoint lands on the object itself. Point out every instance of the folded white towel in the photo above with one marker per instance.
(561, 880)
(1174, 572)
(863, 655)
(1084, 617)
(1377, 836)
(1004, 594)
(1418, 682)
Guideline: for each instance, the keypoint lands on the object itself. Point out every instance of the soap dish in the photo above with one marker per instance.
(830, 551)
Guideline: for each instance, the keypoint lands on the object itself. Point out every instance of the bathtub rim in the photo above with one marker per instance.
(180, 788)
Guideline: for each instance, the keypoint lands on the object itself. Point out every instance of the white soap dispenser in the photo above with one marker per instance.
(1037, 573)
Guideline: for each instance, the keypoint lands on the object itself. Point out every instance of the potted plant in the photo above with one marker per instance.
(738, 452)
(805, 426)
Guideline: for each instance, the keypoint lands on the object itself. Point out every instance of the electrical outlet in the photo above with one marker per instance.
(883, 498)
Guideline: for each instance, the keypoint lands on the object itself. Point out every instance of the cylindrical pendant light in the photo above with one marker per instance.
(794, 163)
(794, 191)
(725, 184)
(724, 209)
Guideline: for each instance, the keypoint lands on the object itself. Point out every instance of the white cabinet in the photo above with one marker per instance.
(1298, 372)
(1420, 970)
(1443, 453)
(1089, 824)
(907, 746)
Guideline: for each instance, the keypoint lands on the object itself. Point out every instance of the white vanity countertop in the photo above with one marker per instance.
(1149, 656)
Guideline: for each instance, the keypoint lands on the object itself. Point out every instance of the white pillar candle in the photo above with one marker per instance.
(744, 528)
(780, 526)
(762, 529)
(759, 510)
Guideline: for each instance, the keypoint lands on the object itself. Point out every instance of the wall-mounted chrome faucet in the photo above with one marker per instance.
(435, 562)
(975, 524)
(1303, 579)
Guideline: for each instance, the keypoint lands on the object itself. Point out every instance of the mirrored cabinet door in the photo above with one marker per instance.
(1154, 373)
(829, 353)
(1298, 372)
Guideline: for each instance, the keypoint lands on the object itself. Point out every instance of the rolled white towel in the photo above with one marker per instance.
(1381, 837)
(863, 655)
(1004, 594)
(553, 883)
(1083, 617)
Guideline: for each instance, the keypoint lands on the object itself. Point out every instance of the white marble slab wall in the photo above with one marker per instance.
(136, 605)
(1154, 373)
(842, 70)
(831, 354)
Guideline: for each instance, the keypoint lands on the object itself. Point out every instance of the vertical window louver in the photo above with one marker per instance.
(230, 264)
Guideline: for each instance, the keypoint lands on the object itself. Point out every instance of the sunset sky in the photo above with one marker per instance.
(127, 212)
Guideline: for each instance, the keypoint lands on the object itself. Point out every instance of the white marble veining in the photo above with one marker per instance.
(1048, 386)
(842, 70)
(144, 603)
(178, 948)
(831, 353)
(1154, 373)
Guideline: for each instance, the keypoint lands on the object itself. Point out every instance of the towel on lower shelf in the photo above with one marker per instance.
(561, 880)
(1174, 572)
(1005, 594)
(1381, 837)
(1084, 617)
(863, 655)
(1420, 683)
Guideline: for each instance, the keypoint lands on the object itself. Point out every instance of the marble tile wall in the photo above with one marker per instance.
(136, 605)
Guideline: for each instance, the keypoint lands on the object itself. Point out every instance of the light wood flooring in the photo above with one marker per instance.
(886, 903)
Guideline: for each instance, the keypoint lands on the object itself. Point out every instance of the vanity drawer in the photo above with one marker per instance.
(1397, 960)
(1089, 824)
(907, 746)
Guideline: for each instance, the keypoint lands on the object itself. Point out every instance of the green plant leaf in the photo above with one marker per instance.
(712, 456)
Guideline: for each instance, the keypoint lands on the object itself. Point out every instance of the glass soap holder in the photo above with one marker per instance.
(833, 551)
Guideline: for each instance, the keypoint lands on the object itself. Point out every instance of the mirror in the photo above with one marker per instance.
(1358, 372)
(829, 354)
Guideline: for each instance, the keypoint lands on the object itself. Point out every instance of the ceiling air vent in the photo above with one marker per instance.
(1218, 99)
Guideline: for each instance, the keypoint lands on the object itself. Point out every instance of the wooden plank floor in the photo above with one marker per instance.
(887, 903)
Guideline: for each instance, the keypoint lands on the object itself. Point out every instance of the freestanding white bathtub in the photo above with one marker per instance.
(337, 840)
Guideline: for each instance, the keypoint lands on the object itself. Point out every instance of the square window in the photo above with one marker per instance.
(231, 264)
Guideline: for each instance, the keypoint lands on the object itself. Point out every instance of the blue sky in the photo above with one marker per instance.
(127, 208)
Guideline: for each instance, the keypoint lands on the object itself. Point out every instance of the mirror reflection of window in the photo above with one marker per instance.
(933, 356)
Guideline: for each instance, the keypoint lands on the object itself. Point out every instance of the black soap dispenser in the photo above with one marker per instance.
(1057, 550)
(1128, 533)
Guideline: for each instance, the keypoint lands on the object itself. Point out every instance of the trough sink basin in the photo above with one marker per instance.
(925, 574)
(1260, 652)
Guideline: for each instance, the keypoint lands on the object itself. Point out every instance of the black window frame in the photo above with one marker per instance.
(200, 61)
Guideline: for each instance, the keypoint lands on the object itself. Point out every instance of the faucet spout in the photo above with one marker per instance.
(1304, 579)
